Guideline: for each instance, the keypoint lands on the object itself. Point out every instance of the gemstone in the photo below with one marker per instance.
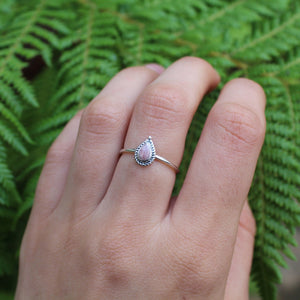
(145, 152)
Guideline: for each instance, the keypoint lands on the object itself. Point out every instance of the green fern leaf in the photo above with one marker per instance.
(278, 177)
(82, 44)
(88, 60)
(268, 36)
(31, 33)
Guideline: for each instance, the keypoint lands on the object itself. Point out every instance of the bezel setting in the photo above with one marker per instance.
(149, 161)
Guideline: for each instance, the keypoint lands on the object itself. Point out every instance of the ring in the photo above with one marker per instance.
(145, 154)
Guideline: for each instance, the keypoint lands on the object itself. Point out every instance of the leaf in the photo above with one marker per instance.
(70, 49)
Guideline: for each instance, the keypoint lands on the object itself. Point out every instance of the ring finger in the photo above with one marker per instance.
(164, 110)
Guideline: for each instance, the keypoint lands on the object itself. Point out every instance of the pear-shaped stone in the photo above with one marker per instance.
(145, 152)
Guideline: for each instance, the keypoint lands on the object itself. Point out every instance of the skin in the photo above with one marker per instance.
(103, 227)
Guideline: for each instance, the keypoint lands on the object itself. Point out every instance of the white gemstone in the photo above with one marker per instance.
(145, 152)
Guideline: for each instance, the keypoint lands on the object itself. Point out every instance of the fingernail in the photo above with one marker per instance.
(155, 67)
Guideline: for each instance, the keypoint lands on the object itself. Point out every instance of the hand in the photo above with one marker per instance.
(103, 227)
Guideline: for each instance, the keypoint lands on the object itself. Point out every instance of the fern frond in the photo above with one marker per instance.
(277, 182)
(266, 41)
(88, 59)
(6, 12)
(12, 139)
(6, 176)
(80, 45)
(6, 113)
(31, 33)
(87, 62)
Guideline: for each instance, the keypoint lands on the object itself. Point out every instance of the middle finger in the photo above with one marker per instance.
(101, 134)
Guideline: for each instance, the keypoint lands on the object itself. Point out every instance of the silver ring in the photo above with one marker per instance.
(145, 154)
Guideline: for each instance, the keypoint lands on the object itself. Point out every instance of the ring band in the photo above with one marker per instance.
(145, 154)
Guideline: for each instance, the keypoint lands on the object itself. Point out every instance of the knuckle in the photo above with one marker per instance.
(60, 150)
(189, 258)
(102, 118)
(238, 126)
(58, 154)
(200, 276)
(165, 103)
(193, 282)
(194, 261)
(115, 259)
(196, 273)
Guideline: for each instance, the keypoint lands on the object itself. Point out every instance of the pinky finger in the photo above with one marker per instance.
(237, 286)
(54, 173)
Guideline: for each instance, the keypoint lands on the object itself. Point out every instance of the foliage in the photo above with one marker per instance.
(55, 55)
